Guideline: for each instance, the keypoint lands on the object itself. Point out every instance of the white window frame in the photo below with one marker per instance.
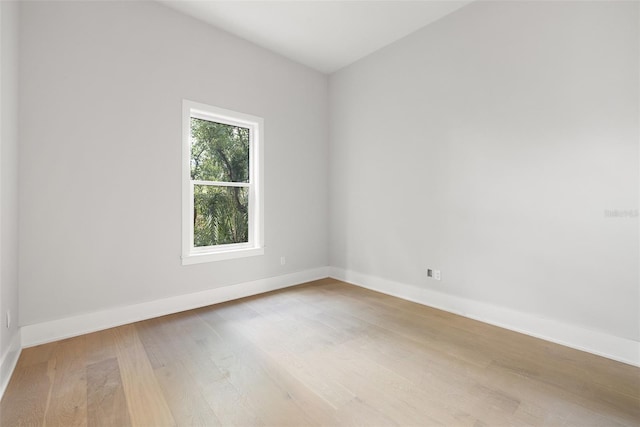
(255, 245)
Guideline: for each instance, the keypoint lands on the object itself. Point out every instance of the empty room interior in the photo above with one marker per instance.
(291, 213)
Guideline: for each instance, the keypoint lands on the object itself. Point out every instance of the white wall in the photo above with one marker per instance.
(489, 145)
(9, 338)
(102, 85)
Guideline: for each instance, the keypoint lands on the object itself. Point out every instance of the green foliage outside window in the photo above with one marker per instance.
(219, 153)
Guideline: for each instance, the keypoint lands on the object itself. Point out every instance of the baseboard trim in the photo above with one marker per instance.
(8, 362)
(601, 344)
(55, 330)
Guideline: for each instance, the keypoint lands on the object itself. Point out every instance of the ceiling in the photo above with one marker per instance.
(324, 35)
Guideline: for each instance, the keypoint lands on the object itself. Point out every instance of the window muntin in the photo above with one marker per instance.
(222, 177)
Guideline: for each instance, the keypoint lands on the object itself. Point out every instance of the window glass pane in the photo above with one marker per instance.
(220, 215)
(219, 152)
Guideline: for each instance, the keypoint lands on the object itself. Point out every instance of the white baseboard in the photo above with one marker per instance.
(55, 330)
(8, 362)
(601, 344)
(612, 347)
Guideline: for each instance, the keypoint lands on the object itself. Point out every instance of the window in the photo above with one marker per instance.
(222, 208)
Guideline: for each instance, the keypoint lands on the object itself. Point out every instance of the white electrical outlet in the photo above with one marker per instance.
(283, 260)
(433, 274)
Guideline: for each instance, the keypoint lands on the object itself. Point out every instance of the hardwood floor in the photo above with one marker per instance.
(325, 353)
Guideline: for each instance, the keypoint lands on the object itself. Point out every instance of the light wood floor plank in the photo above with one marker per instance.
(68, 395)
(25, 403)
(146, 403)
(187, 340)
(253, 372)
(106, 402)
(188, 406)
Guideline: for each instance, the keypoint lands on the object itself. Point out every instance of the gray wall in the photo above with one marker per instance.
(489, 145)
(102, 85)
(8, 183)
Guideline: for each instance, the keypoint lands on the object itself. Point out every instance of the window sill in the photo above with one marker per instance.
(197, 258)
